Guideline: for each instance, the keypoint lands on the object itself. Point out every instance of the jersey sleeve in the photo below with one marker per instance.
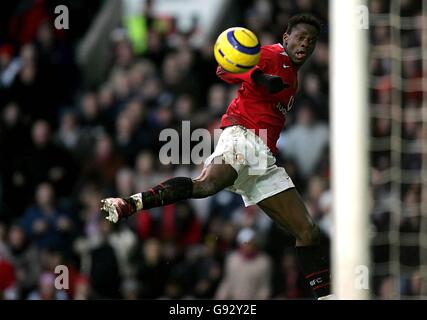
(233, 78)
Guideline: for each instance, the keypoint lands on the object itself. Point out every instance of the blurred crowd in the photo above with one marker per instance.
(65, 146)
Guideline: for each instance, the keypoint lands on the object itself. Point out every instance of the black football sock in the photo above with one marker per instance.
(167, 192)
(314, 263)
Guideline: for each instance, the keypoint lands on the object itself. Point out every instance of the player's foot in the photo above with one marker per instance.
(116, 209)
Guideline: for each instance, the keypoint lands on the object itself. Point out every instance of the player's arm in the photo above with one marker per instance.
(256, 75)
(233, 78)
(273, 83)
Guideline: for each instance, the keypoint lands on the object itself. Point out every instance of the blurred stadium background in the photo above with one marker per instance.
(80, 114)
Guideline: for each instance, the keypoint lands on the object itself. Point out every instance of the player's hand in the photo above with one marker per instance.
(273, 83)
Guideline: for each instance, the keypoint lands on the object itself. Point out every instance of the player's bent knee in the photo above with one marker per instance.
(309, 236)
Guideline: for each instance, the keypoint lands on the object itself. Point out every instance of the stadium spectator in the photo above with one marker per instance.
(305, 141)
(45, 224)
(24, 256)
(82, 290)
(46, 289)
(247, 272)
(104, 266)
(44, 161)
(152, 271)
(7, 273)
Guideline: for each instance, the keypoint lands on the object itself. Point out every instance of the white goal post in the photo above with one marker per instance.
(349, 149)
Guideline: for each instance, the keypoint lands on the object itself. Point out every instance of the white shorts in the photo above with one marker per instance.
(258, 177)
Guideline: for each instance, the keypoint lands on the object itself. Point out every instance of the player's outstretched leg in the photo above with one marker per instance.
(288, 210)
(213, 179)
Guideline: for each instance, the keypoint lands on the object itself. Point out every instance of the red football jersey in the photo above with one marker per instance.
(256, 108)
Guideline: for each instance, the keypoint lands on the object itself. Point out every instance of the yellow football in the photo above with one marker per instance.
(237, 50)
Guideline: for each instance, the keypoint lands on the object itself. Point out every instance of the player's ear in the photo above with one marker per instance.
(285, 38)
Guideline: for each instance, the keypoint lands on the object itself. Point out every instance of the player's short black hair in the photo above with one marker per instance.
(303, 18)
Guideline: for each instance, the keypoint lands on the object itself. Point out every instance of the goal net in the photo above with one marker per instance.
(398, 148)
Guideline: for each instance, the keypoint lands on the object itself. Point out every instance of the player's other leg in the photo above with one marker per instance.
(213, 179)
(288, 210)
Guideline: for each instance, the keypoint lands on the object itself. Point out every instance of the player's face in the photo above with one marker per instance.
(300, 43)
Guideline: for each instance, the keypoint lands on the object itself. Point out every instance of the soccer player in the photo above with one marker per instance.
(243, 160)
